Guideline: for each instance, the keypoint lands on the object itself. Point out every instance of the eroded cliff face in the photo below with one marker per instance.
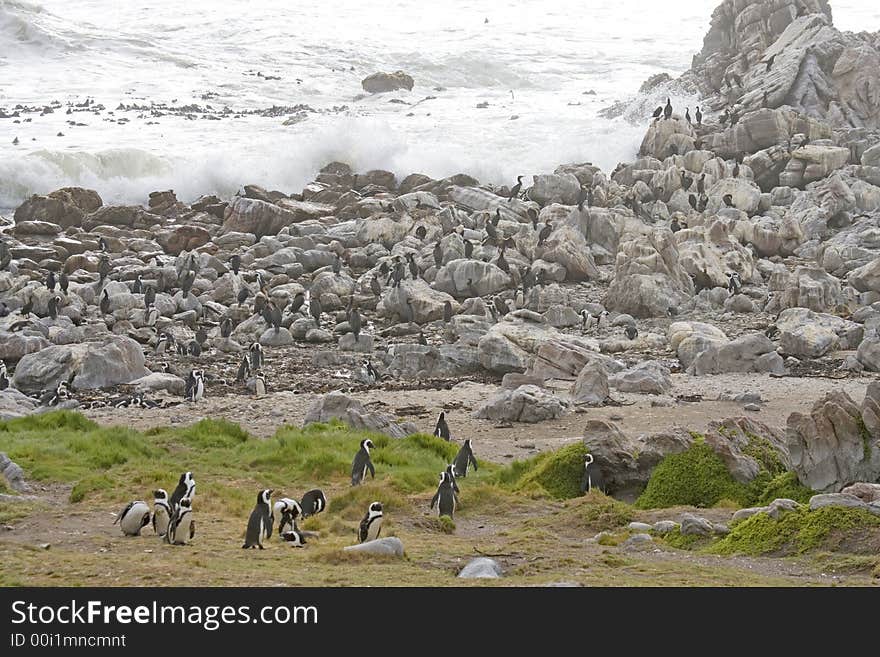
(788, 52)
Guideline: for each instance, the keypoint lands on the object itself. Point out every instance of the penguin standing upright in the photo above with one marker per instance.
(592, 476)
(255, 354)
(133, 518)
(371, 524)
(186, 487)
(463, 459)
(259, 527)
(368, 372)
(444, 499)
(259, 385)
(182, 527)
(313, 502)
(441, 429)
(4, 379)
(288, 511)
(195, 388)
(362, 463)
(161, 512)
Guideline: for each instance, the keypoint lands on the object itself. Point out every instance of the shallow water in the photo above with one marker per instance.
(543, 71)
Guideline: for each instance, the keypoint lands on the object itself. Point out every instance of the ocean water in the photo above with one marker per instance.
(500, 89)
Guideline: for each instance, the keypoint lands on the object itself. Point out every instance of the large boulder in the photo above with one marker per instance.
(566, 246)
(14, 346)
(336, 405)
(471, 278)
(65, 207)
(753, 352)
(113, 361)
(427, 303)
(555, 188)
(674, 136)
(591, 386)
(813, 288)
(649, 377)
(378, 83)
(689, 339)
(527, 403)
(648, 278)
(831, 447)
(806, 334)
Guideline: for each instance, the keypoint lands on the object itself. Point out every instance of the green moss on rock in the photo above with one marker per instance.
(696, 477)
(794, 532)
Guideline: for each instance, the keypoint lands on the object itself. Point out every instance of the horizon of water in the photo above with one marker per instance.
(543, 71)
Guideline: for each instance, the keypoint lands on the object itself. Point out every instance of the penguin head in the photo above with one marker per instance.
(186, 503)
(160, 495)
(467, 443)
(367, 444)
(442, 476)
(376, 509)
(264, 496)
(187, 477)
(588, 460)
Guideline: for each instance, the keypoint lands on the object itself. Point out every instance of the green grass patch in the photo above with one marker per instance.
(785, 485)
(794, 532)
(685, 541)
(557, 473)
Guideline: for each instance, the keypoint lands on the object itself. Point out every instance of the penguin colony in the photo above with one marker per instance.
(172, 517)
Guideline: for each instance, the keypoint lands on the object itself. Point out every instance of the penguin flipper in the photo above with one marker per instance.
(192, 529)
(473, 462)
(372, 469)
(434, 499)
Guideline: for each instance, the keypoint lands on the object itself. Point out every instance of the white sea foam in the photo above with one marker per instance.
(542, 70)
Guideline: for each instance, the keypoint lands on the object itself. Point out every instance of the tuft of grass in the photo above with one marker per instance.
(611, 539)
(685, 541)
(695, 477)
(209, 434)
(557, 473)
(785, 485)
(54, 421)
(446, 525)
(794, 532)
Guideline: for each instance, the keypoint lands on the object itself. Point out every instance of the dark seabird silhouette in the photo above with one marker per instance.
(699, 116)
(687, 114)
(514, 192)
(667, 111)
(545, 233)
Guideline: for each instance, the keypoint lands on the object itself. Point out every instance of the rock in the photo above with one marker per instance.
(812, 162)
(566, 246)
(750, 353)
(648, 377)
(638, 540)
(591, 386)
(648, 279)
(13, 346)
(688, 339)
(480, 568)
(837, 499)
(867, 277)
(524, 404)
(383, 547)
(66, 207)
(555, 188)
(335, 405)
(668, 137)
(639, 527)
(864, 491)
(184, 238)
(160, 382)
(363, 344)
(806, 334)
(116, 360)
(378, 83)
(868, 354)
(13, 474)
(15, 404)
(664, 527)
(25, 228)
(828, 447)
(246, 215)
(485, 278)
(695, 525)
(427, 304)
(272, 338)
(813, 288)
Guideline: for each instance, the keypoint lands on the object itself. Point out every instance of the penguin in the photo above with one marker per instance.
(313, 502)
(149, 297)
(50, 281)
(186, 487)
(235, 263)
(371, 525)
(161, 512)
(259, 384)
(225, 327)
(194, 348)
(255, 356)
(63, 282)
(133, 518)
(438, 255)
(734, 283)
(288, 511)
(450, 478)
(631, 332)
(182, 527)
(295, 537)
(586, 320)
(463, 459)
(102, 244)
(315, 310)
(602, 319)
(138, 286)
(444, 498)
(59, 394)
(244, 369)
(514, 191)
(354, 323)
(413, 267)
(368, 372)
(337, 265)
(667, 111)
(441, 429)
(259, 526)
(53, 304)
(592, 476)
(362, 463)
(104, 267)
(4, 378)
(195, 389)
(105, 303)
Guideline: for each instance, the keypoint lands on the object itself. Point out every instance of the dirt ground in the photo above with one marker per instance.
(636, 415)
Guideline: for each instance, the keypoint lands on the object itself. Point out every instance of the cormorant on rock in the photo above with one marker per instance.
(582, 197)
(149, 297)
(421, 232)
(500, 306)
(298, 301)
(699, 116)
(315, 310)
(354, 322)
(496, 218)
(235, 263)
(514, 192)
(63, 282)
(413, 267)
(667, 111)
(728, 200)
(545, 233)
(687, 114)
(50, 281)
(105, 303)
(657, 112)
(337, 265)
(438, 255)
(225, 327)
(375, 286)
(447, 311)
(692, 199)
(533, 217)
(701, 184)
(468, 249)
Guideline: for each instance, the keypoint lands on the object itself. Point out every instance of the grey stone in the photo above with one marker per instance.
(385, 547)
(481, 567)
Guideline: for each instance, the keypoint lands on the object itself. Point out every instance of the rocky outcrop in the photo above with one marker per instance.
(806, 334)
(749, 353)
(831, 447)
(335, 405)
(526, 403)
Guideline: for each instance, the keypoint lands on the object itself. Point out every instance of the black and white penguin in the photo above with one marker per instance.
(368, 372)
(463, 459)
(133, 518)
(734, 283)
(182, 527)
(371, 525)
(255, 354)
(631, 332)
(259, 384)
(225, 327)
(602, 319)
(450, 477)
(444, 499)
(195, 386)
(259, 527)
(4, 378)
(295, 537)
(586, 320)
(54, 397)
(288, 511)
(244, 369)
(313, 502)
(161, 512)
(186, 487)
(362, 463)
(441, 429)
(50, 281)
(592, 476)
